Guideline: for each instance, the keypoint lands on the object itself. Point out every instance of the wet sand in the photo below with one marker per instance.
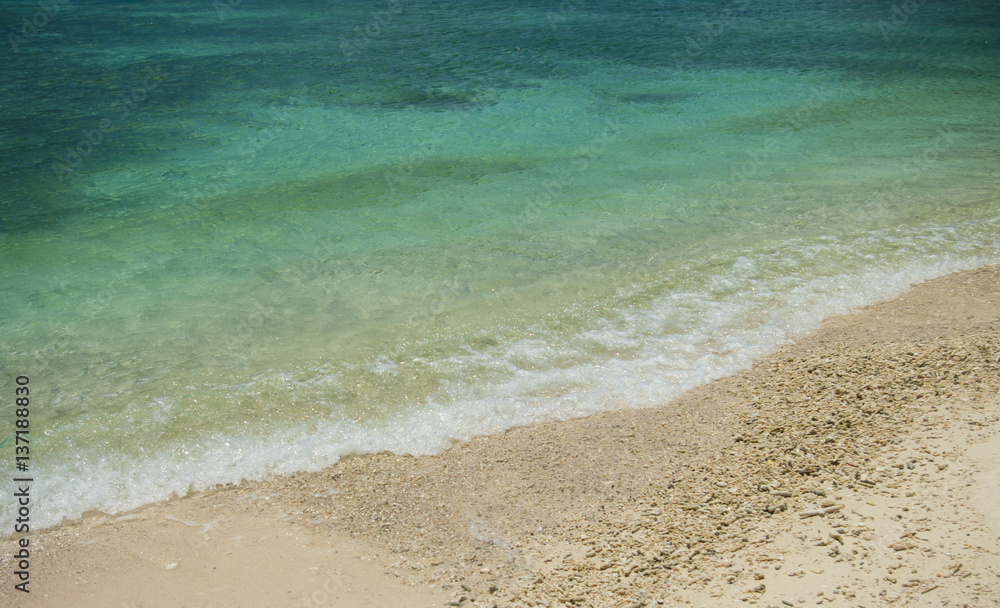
(859, 466)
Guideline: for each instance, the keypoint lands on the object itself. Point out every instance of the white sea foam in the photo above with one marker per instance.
(639, 356)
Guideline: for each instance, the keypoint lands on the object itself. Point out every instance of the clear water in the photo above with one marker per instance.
(252, 237)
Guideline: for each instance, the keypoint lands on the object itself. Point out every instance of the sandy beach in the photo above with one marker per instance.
(859, 467)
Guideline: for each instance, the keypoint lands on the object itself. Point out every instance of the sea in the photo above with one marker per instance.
(242, 238)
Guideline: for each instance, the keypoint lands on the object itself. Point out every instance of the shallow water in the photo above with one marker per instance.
(251, 238)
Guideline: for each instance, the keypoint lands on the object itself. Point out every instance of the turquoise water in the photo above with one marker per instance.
(253, 237)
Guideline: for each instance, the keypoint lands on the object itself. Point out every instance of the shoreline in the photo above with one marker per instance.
(698, 502)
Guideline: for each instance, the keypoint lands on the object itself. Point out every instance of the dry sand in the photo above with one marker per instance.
(884, 421)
